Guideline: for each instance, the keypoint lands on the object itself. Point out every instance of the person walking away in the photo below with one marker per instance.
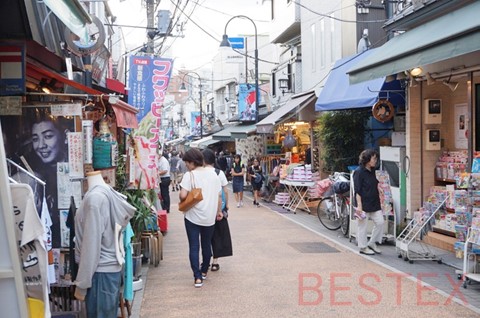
(200, 219)
(164, 173)
(174, 171)
(181, 169)
(209, 159)
(256, 180)
(222, 162)
(368, 202)
(238, 172)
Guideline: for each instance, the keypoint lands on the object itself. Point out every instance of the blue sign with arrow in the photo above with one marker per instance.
(237, 42)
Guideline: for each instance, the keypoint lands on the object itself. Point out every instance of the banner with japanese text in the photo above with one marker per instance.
(148, 81)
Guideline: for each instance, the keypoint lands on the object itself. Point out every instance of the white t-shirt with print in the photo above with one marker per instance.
(205, 211)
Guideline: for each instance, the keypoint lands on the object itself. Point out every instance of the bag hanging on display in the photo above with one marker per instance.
(193, 197)
(289, 140)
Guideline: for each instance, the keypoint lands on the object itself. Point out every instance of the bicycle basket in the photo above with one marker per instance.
(340, 187)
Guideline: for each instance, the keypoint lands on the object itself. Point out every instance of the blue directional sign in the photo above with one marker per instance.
(237, 43)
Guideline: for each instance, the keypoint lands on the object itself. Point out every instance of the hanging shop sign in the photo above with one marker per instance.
(383, 110)
(12, 66)
(93, 39)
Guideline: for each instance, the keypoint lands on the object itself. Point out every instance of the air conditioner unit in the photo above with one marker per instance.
(433, 111)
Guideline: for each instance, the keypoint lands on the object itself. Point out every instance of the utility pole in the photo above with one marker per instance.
(150, 24)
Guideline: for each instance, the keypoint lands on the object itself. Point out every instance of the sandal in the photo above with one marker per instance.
(215, 267)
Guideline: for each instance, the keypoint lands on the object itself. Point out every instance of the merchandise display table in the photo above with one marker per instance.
(297, 191)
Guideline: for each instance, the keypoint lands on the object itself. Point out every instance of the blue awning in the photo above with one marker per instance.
(338, 94)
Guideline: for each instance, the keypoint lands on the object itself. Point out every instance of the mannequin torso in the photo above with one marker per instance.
(94, 178)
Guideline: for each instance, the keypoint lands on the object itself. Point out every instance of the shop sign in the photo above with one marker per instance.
(11, 105)
(12, 67)
(66, 109)
(75, 154)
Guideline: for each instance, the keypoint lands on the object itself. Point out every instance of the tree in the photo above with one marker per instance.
(341, 135)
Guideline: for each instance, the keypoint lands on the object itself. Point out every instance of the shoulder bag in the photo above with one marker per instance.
(193, 197)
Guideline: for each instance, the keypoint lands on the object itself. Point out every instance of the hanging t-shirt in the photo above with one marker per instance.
(29, 232)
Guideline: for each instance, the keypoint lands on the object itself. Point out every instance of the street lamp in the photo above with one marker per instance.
(183, 88)
(226, 43)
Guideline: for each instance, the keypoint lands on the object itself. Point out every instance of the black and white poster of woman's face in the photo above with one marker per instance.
(37, 141)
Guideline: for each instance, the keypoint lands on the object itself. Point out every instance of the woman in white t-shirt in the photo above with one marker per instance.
(200, 220)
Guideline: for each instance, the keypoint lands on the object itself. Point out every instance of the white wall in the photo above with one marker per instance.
(324, 39)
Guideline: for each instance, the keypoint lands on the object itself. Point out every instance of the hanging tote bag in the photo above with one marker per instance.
(193, 197)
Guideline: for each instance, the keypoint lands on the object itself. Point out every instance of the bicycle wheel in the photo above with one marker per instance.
(327, 215)
(345, 217)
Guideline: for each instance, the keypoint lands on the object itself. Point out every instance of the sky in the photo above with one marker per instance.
(203, 29)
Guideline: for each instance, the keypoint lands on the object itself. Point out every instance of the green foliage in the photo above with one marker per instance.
(342, 135)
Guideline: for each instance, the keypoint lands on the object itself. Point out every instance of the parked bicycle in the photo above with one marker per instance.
(333, 210)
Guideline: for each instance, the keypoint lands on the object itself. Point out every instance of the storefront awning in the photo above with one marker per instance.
(203, 143)
(126, 115)
(243, 131)
(224, 134)
(451, 35)
(339, 94)
(292, 107)
(175, 141)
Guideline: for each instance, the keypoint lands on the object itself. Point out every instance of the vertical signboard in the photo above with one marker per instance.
(12, 70)
(148, 82)
(247, 106)
(195, 123)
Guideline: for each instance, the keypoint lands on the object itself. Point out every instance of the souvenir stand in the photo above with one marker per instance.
(289, 181)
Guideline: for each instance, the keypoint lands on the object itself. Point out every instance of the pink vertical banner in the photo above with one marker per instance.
(75, 154)
(145, 164)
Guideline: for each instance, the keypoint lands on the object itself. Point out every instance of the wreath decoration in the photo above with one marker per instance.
(383, 110)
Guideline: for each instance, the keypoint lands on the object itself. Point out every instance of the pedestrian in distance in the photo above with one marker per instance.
(238, 173)
(221, 246)
(164, 173)
(174, 170)
(368, 202)
(256, 180)
(200, 219)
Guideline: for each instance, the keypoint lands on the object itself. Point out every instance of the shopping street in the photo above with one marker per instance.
(287, 265)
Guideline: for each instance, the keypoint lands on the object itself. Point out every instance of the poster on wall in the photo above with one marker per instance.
(247, 106)
(461, 126)
(37, 141)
